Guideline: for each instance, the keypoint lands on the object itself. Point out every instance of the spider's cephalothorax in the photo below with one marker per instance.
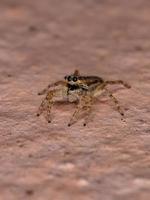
(77, 88)
(72, 82)
(77, 82)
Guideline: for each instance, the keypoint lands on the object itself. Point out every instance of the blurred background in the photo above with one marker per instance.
(41, 42)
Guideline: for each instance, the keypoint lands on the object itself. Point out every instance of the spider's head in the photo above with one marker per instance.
(72, 79)
(75, 82)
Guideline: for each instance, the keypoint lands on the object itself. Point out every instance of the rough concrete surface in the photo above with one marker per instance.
(40, 42)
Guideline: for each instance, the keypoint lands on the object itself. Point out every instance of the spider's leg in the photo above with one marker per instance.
(102, 87)
(58, 83)
(42, 107)
(84, 105)
(46, 106)
(117, 82)
(116, 102)
(88, 109)
(52, 97)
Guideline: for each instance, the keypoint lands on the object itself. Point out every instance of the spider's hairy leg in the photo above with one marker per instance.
(52, 97)
(46, 105)
(84, 105)
(118, 82)
(88, 109)
(58, 83)
(116, 102)
(97, 89)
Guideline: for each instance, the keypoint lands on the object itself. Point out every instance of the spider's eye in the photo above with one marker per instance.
(75, 79)
(69, 78)
(65, 77)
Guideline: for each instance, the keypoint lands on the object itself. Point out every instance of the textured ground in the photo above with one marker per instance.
(40, 42)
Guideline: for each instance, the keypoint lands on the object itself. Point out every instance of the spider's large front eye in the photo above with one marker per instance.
(75, 79)
(69, 78)
(65, 77)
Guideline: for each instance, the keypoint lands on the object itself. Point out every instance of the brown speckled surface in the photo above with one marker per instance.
(40, 42)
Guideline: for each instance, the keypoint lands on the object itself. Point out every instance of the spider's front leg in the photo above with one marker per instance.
(46, 105)
(51, 97)
(52, 85)
(84, 106)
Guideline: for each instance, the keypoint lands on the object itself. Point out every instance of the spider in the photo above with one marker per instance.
(80, 89)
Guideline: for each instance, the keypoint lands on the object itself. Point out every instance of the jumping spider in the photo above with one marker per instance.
(77, 88)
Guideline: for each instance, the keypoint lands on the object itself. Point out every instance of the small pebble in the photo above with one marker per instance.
(66, 166)
(82, 183)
